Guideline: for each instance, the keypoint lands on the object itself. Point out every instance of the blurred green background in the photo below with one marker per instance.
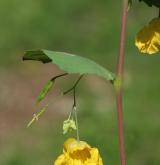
(89, 28)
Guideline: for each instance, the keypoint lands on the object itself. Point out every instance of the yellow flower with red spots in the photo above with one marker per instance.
(148, 38)
(78, 153)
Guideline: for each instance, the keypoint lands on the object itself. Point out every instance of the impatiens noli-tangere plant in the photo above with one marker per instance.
(75, 151)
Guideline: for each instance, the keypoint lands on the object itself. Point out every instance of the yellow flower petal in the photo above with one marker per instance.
(78, 153)
(71, 145)
(148, 38)
(60, 160)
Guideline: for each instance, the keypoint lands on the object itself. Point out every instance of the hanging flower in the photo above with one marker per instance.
(148, 39)
(78, 153)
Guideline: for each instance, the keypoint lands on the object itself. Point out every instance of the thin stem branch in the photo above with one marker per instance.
(74, 86)
(118, 83)
(74, 97)
(61, 75)
(74, 103)
(74, 108)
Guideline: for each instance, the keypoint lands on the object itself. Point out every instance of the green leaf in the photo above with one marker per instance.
(70, 63)
(152, 2)
(45, 90)
(37, 55)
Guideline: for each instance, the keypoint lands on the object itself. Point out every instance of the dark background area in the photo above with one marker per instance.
(90, 29)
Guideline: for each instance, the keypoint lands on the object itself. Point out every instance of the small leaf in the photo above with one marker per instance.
(69, 125)
(45, 90)
(70, 63)
(36, 116)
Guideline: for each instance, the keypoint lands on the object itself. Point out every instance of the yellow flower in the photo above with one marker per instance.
(148, 39)
(78, 153)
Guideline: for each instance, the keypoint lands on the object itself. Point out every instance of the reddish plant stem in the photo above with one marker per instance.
(118, 83)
